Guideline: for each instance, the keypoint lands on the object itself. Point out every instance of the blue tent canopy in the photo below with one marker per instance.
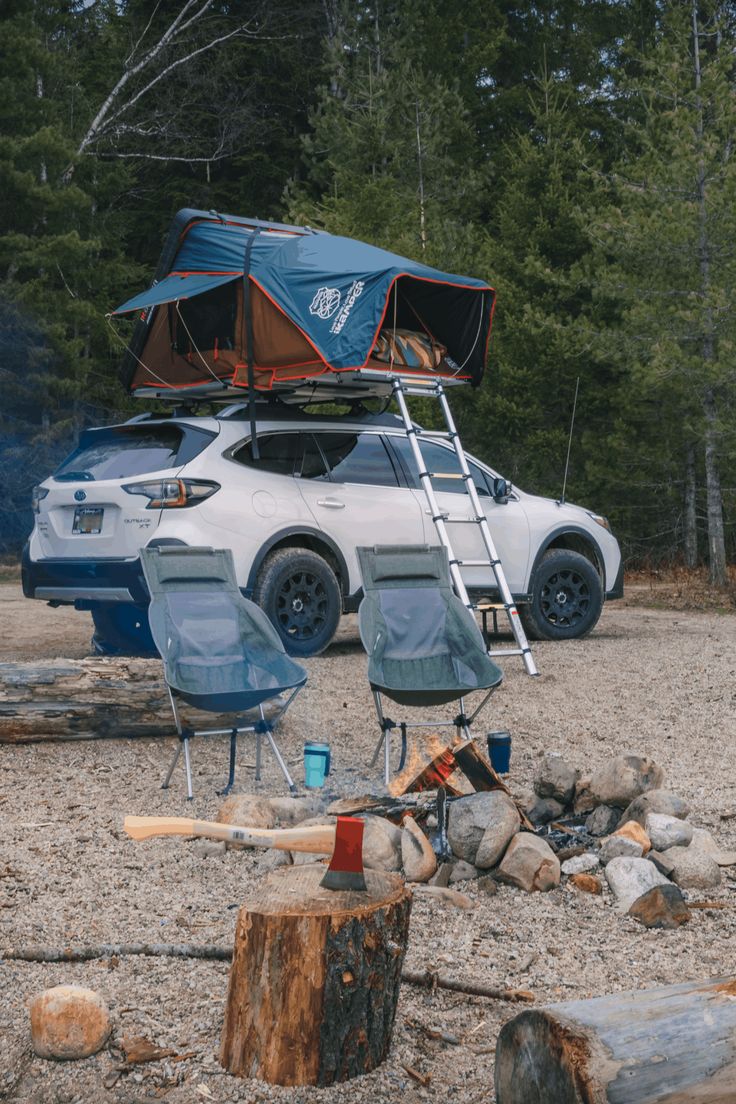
(314, 302)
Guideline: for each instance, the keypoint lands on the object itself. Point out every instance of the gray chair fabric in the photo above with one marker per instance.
(221, 653)
(424, 646)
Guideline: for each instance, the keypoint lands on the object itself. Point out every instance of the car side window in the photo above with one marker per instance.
(278, 453)
(350, 458)
(439, 459)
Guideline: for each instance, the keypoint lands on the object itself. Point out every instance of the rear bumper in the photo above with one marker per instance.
(81, 582)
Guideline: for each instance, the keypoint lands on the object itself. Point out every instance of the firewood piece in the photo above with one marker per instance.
(315, 978)
(674, 1043)
(85, 699)
(422, 1078)
(476, 769)
(428, 773)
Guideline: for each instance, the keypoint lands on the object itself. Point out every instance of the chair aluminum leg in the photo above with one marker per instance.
(258, 755)
(231, 771)
(174, 761)
(188, 764)
(280, 761)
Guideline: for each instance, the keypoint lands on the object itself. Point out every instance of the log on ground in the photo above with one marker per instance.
(669, 1045)
(86, 699)
(315, 978)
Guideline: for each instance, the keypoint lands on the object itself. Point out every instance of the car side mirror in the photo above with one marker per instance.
(501, 490)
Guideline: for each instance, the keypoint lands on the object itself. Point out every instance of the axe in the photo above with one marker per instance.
(345, 841)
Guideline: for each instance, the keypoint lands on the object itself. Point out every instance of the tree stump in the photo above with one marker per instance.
(655, 1046)
(315, 978)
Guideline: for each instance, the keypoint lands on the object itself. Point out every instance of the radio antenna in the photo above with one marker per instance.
(569, 441)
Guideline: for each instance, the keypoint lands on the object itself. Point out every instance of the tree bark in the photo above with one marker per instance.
(656, 1046)
(85, 699)
(315, 978)
(716, 532)
(691, 531)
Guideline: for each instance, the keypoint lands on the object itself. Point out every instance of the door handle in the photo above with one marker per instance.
(331, 503)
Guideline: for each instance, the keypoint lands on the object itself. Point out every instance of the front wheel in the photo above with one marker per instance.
(567, 597)
(300, 594)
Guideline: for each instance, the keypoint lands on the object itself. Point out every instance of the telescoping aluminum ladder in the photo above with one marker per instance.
(441, 520)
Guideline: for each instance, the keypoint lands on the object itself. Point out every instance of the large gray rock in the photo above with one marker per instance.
(602, 821)
(530, 864)
(541, 810)
(584, 800)
(381, 844)
(492, 814)
(694, 868)
(655, 801)
(294, 810)
(629, 879)
(556, 778)
(624, 778)
(417, 857)
(617, 846)
(667, 831)
(581, 864)
(463, 872)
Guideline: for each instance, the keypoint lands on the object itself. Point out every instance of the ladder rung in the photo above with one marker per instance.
(509, 651)
(461, 521)
(473, 563)
(445, 475)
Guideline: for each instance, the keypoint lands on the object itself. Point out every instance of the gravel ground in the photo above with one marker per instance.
(661, 684)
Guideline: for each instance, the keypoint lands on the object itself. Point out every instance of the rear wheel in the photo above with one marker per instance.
(567, 598)
(300, 594)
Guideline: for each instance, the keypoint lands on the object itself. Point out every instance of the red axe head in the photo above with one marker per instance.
(346, 865)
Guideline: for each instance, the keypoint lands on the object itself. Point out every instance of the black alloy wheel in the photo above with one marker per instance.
(299, 592)
(567, 597)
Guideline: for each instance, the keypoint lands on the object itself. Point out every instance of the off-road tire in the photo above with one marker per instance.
(300, 594)
(567, 597)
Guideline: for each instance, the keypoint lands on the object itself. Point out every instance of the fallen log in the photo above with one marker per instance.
(84, 699)
(315, 978)
(672, 1044)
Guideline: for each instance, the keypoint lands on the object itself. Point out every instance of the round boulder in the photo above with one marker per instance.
(530, 863)
(69, 1022)
(481, 825)
(624, 778)
(556, 778)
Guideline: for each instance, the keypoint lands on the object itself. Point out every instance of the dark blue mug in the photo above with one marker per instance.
(499, 751)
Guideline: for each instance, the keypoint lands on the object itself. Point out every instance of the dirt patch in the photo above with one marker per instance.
(658, 683)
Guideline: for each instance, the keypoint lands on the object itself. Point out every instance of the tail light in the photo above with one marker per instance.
(172, 493)
(37, 496)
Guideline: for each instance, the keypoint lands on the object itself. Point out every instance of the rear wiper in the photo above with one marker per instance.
(72, 476)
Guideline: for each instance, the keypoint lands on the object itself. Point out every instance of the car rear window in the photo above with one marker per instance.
(118, 452)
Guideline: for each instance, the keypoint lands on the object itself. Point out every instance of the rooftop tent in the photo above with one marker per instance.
(315, 304)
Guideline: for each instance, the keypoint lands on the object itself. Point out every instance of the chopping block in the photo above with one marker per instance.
(315, 977)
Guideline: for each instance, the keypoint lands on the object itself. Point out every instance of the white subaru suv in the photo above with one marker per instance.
(321, 486)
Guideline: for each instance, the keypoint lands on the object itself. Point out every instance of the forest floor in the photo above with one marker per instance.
(653, 681)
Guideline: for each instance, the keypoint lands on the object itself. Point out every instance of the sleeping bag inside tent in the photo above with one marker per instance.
(240, 303)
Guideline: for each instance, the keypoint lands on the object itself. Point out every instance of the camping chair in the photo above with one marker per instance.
(221, 654)
(424, 646)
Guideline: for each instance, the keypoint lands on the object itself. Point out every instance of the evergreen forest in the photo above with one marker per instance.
(577, 154)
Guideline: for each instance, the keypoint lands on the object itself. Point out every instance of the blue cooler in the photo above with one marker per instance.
(499, 751)
(316, 764)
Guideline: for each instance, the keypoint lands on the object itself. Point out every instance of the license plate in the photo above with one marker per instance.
(87, 519)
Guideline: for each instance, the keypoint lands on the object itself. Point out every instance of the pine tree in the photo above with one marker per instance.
(669, 237)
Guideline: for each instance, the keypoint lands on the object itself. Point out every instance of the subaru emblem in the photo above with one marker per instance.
(80, 496)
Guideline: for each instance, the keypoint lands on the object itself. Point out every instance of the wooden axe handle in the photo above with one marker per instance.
(316, 839)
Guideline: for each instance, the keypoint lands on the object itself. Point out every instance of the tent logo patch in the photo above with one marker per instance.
(356, 289)
(325, 302)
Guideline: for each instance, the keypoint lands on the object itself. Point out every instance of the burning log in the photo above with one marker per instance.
(676, 1043)
(428, 771)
